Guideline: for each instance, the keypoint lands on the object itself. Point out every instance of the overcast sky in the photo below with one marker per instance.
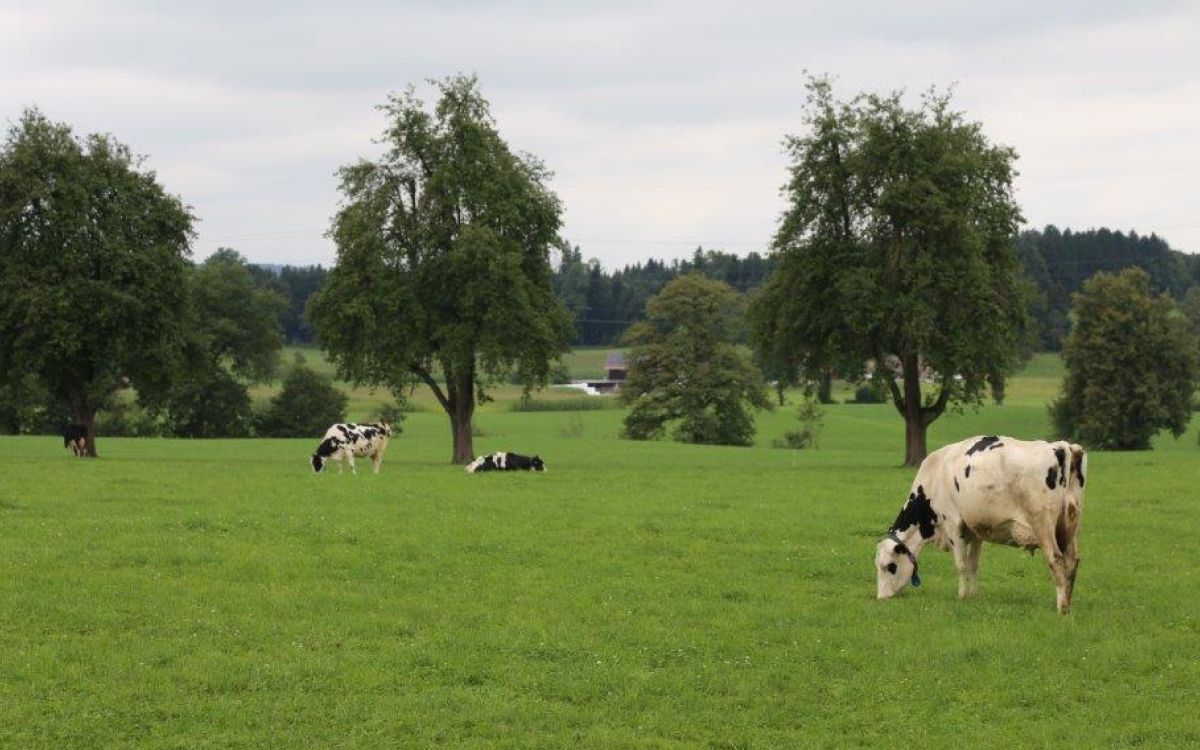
(661, 120)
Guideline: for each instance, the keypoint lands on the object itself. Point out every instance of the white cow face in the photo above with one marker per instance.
(893, 569)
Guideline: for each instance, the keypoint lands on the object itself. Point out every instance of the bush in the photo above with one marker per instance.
(870, 393)
(212, 405)
(812, 421)
(580, 403)
(393, 413)
(121, 418)
(307, 404)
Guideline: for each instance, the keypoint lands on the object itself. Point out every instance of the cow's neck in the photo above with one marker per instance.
(911, 538)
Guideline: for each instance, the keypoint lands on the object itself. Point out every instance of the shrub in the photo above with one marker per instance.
(871, 392)
(580, 403)
(812, 421)
(307, 404)
(211, 405)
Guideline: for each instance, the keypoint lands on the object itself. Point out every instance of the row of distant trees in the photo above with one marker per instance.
(604, 303)
(897, 246)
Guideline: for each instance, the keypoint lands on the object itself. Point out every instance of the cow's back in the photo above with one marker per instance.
(999, 486)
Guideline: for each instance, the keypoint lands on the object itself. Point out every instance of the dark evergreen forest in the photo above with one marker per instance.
(605, 303)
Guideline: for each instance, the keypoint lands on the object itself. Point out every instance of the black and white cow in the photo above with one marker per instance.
(75, 439)
(506, 462)
(344, 442)
(1021, 493)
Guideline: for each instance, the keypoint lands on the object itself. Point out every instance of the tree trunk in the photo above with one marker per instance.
(86, 416)
(462, 408)
(825, 389)
(914, 417)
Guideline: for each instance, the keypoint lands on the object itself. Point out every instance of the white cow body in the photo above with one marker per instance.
(997, 489)
(344, 442)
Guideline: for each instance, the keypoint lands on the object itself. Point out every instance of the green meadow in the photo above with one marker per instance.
(217, 594)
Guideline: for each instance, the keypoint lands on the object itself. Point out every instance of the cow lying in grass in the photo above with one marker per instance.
(506, 462)
(344, 442)
(994, 489)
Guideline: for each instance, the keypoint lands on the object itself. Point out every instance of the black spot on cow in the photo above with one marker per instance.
(964, 532)
(1060, 455)
(1052, 477)
(1077, 466)
(891, 568)
(985, 443)
(956, 488)
(967, 474)
(917, 511)
(900, 549)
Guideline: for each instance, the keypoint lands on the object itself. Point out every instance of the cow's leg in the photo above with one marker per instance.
(376, 460)
(960, 547)
(1071, 549)
(350, 458)
(1057, 562)
(974, 552)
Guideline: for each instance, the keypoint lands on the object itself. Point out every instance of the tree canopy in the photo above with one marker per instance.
(93, 253)
(1131, 365)
(685, 373)
(896, 247)
(443, 274)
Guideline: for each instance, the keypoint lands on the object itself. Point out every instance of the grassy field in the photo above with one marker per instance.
(189, 594)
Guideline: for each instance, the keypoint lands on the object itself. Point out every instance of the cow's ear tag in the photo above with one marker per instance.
(916, 579)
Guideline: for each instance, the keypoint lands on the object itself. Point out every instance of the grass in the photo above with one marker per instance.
(182, 594)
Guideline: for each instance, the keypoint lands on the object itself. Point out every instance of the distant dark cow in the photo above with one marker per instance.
(989, 489)
(75, 439)
(344, 442)
(506, 462)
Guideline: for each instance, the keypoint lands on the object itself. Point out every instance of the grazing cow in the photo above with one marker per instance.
(75, 439)
(1025, 494)
(506, 462)
(343, 442)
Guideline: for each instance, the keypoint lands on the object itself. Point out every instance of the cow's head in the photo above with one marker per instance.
(318, 463)
(537, 464)
(386, 428)
(895, 566)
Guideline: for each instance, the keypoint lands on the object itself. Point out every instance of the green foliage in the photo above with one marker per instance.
(92, 261)
(236, 320)
(892, 213)
(812, 421)
(576, 403)
(393, 413)
(1059, 261)
(305, 407)
(123, 417)
(870, 392)
(209, 403)
(1132, 365)
(443, 260)
(686, 375)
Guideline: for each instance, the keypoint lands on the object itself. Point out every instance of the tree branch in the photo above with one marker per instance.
(433, 386)
(930, 413)
(881, 367)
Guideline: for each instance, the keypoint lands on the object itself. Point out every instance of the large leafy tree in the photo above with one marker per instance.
(93, 253)
(1131, 365)
(443, 275)
(233, 338)
(895, 246)
(686, 374)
